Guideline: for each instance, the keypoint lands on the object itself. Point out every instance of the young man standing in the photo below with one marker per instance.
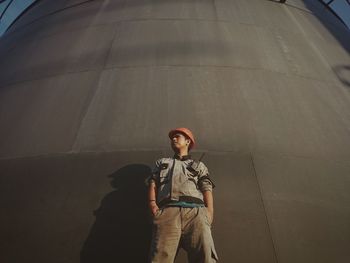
(181, 204)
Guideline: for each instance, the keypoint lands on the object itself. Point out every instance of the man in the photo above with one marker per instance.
(181, 204)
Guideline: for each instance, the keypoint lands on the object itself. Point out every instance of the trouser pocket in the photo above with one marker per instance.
(206, 215)
(159, 211)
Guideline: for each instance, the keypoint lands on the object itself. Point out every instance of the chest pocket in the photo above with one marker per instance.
(164, 173)
(192, 174)
(192, 169)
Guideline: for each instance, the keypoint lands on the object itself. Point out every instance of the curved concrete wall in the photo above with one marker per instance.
(91, 88)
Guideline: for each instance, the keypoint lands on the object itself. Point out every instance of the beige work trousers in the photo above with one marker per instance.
(189, 228)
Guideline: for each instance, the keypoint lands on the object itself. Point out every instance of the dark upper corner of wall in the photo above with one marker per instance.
(38, 10)
(331, 22)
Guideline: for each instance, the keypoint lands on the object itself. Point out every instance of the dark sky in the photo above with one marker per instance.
(342, 8)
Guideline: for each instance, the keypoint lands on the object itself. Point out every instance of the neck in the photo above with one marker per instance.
(182, 152)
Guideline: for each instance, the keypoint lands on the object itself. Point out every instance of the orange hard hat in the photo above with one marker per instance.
(186, 132)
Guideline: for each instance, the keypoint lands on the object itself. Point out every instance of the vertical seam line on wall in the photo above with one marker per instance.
(264, 208)
(74, 144)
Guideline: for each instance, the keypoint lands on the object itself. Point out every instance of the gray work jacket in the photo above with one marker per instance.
(180, 179)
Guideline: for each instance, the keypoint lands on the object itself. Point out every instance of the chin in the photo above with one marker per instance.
(175, 148)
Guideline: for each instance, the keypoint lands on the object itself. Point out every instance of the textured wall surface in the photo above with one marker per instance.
(89, 90)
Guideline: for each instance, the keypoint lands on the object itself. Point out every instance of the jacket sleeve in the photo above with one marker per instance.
(154, 176)
(204, 181)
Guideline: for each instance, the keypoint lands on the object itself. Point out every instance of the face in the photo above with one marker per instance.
(179, 141)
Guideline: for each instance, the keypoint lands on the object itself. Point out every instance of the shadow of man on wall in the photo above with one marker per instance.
(122, 230)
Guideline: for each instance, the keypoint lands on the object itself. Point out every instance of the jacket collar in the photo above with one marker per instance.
(184, 158)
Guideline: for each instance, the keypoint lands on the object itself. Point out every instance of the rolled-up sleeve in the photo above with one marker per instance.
(204, 181)
(153, 177)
